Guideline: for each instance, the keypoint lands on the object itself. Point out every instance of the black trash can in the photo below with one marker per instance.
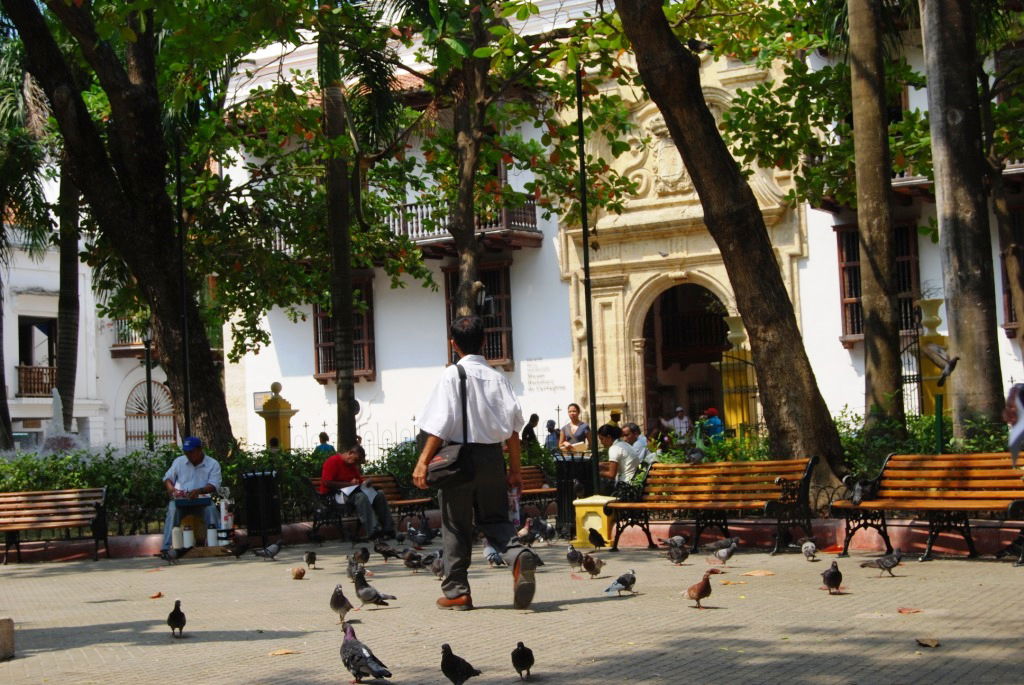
(262, 504)
(573, 480)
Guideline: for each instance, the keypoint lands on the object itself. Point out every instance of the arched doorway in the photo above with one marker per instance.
(136, 425)
(685, 337)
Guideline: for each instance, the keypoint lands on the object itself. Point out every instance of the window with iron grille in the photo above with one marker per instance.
(496, 312)
(1010, 323)
(908, 283)
(364, 362)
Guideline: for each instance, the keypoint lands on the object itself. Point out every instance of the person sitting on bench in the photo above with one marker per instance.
(341, 475)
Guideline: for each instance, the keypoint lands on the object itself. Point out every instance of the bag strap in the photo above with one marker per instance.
(462, 394)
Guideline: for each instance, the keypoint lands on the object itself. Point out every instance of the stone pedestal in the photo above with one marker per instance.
(590, 514)
(277, 413)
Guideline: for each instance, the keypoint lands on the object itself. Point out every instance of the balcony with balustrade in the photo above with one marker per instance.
(36, 381)
(508, 228)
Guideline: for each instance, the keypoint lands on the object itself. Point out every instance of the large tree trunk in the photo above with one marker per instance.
(469, 110)
(339, 222)
(798, 421)
(67, 302)
(949, 35)
(122, 177)
(883, 372)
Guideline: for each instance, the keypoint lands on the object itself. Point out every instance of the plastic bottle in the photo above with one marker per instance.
(177, 539)
(188, 538)
(211, 536)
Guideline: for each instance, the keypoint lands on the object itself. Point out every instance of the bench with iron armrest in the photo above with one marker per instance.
(777, 489)
(535, 491)
(327, 510)
(943, 489)
(402, 507)
(54, 509)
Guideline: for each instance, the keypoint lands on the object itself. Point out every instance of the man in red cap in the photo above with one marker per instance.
(713, 427)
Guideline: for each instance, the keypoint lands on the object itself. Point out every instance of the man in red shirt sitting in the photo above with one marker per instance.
(340, 475)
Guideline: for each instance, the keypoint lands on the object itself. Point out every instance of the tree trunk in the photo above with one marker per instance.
(949, 47)
(798, 420)
(67, 303)
(883, 372)
(339, 222)
(122, 176)
(6, 429)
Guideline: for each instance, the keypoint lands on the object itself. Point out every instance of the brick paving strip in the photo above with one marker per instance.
(94, 622)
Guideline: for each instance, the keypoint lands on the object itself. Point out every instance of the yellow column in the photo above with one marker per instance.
(277, 413)
(930, 371)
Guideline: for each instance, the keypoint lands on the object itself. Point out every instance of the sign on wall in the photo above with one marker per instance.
(542, 375)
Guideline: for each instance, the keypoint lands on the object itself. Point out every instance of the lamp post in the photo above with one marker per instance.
(178, 209)
(147, 343)
(587, 308)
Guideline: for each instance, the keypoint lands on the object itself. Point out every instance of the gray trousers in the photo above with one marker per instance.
(483, 502)
(375, 516)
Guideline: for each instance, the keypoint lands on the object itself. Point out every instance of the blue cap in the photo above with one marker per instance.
(191, 443)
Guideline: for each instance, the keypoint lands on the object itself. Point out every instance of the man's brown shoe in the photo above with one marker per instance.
(523, 583)
(460, 603)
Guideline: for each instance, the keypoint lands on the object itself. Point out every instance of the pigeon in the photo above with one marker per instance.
(527, 537)
(493, 557)
(353, 567)
(454, 667)
(176, 619)
(362, 555)
(412, 560)
(268, 552)
(385, 550)
(437, 565)
(574, 557)
(522, 660)
(721, 544)
(359, 660)
(674, 541)
(623, 583)
(940, 357)
(596, 539)
(723, 555)
(592, 565)
(237, 548)
(832, 577)
(367, 593)
(702, 589)
(677, 555)
(310, 559)
(423, 537)
(340, 603)
(169, 555)
(544, 530)
(886, 563)
(399, 537)
(809, 549)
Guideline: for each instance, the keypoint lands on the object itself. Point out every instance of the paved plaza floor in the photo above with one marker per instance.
(94, 622)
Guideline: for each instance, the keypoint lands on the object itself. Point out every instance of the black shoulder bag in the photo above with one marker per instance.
(452, 465)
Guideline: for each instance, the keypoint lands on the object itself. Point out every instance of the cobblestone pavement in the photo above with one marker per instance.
(94, 622)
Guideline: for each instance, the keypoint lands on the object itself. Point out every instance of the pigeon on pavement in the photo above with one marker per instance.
(362, 555)
(522, 660)
(832, 577)
(596, 539)
(723, 555)
(574, 557)
(544, 530)
(176, 619)
(677, 555)
(454, 667)
(420, 538)
(310, 558)
(169, 555)
(237, 548)
(809, 549)
(268, 552)
(623, 583)
(385, 550)
(340, 603)
(367, 593)
(702, 589)
(412, 560)
(359, 660)
(592, 565)
(674, 541)
(886, 563)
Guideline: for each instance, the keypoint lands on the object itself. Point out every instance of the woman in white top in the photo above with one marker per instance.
(622, 460)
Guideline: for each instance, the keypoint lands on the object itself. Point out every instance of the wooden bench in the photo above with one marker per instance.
(402, 507)
(535, 491)
(943, 489)
(775, 489)
(54, 509)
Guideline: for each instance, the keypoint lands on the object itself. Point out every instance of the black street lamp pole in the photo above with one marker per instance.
(187, 400)
(587, 309)
(147, 343)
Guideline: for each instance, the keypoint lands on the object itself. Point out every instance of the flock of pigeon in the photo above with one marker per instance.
(362, 663)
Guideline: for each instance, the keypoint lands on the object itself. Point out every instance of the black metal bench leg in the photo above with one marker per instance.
(933, 532)
(1020, 559)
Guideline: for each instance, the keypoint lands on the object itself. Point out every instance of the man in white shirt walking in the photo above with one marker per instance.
(493, 416)
(190, 476)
